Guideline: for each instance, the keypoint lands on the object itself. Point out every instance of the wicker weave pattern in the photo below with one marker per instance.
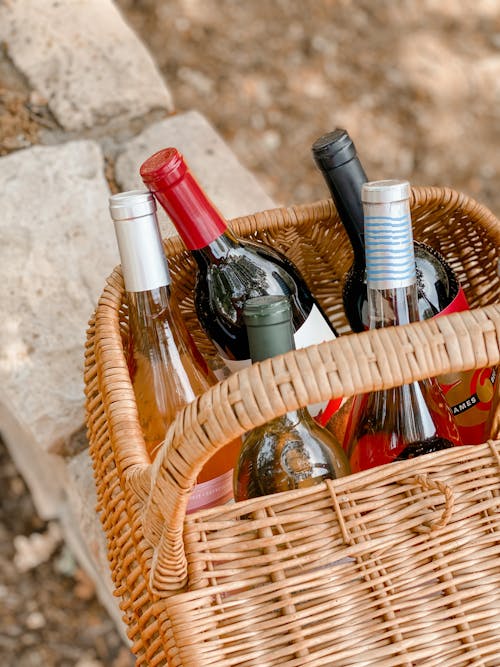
(263, 587)
(269, 587)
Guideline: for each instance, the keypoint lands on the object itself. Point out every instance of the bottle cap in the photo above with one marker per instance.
(143, 259)
(390, 257)
(131, 204)
(267, 310)
(385, 192)
(269, 326)
(333, 149)
(163, 169)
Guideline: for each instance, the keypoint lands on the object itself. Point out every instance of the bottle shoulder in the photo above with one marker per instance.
(281, 455)
(297, 429)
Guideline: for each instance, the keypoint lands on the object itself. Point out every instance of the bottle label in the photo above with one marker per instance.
(314, 330)
(468, 393)
(217, 491)
(235, 365)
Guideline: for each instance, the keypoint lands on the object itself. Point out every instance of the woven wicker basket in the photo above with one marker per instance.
(399, 565)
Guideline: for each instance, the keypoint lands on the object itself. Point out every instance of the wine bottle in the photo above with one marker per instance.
(229, 269)
(292, 451)
(437, 285)
(469, 393)
(166, 369)
(413, 419)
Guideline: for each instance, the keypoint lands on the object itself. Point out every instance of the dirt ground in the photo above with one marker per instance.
(417, 84)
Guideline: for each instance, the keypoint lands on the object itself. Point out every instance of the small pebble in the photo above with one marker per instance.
(35, 620)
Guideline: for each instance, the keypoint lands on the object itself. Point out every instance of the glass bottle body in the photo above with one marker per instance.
(290, 452)
(167, 373)
(402, 422)
(413, 419)
(437, 285)
(469, 393)
(166, 370)
(230, 271)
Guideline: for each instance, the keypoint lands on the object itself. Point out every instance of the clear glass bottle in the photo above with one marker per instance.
(292, 451)
(166, 369)
(413, 419)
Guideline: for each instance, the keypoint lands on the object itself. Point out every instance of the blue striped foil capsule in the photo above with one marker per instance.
(390, 258)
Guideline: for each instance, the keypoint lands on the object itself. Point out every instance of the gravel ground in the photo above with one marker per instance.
(415, 83)
(49, 615)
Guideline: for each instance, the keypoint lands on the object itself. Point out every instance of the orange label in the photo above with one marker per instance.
(469, 393)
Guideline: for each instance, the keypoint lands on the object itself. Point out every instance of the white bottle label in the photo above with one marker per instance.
(315, 330)
(217, 491)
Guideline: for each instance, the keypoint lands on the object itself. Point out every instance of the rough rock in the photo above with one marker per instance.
(58, 247)
(232, 188)
(84, 59)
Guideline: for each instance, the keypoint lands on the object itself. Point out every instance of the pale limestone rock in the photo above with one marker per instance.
(84, 59)
(231, 187)
(57, 248)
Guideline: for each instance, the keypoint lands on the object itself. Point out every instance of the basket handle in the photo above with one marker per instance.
(348, 365)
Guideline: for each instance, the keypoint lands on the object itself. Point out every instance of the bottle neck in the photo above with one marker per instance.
(392, 307)
(289, 420)
(150, 318)
(270, 340)
(196, 219)
(344, 182)
(217, 250)
(143, 259)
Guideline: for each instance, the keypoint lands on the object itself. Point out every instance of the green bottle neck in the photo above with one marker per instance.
(270, 340)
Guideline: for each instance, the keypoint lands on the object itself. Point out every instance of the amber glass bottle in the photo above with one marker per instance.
(166, 369)
(413, 419)
(292, 451)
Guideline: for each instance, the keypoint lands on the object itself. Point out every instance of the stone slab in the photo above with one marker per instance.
(57, 248)
(232, 188)
(84, 59)
(44, 473)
